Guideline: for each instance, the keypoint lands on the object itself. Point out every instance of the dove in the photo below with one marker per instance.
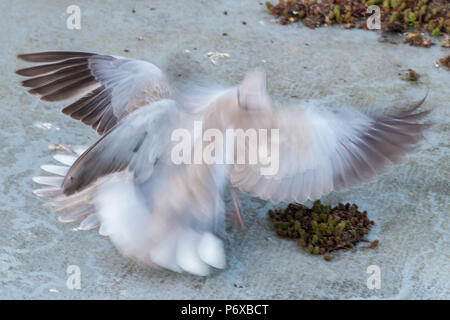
(170, 215)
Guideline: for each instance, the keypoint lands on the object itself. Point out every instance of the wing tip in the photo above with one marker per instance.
(51, 56)
(48, 192)
(54, 181)
(31, 57)
(416, 105)
(23, 56)
(24, 72)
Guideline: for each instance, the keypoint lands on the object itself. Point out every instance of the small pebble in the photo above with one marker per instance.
(411, 75)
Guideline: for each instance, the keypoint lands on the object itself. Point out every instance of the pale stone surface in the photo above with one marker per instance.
(337, 66)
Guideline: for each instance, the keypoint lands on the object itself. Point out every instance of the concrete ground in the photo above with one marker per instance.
(331, 65)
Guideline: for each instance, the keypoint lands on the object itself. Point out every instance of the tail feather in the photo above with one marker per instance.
(77, 214)
(48, 192)
(70, 208)
(58, 170)
(79, 150)
(65, 158)
(89, 223)
(49, 181)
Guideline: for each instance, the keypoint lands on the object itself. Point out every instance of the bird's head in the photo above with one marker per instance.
(252, 93)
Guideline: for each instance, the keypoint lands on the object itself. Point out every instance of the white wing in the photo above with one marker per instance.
(318, 150)
(172, 220)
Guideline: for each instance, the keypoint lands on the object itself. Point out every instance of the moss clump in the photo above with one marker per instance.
(396, 15)
(322, 229)
(313, 13)
(436, 32)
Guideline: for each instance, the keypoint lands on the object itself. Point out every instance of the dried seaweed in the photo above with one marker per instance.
(396, 15)
(417, 40)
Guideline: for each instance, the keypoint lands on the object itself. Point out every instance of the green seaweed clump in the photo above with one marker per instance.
(323, 229)
(313, 13)
(396, 15)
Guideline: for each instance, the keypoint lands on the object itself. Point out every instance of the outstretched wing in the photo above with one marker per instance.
(136, 144)
(317, 150)
(113, 86)
(320, 151)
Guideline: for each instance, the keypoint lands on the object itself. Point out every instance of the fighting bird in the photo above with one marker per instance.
(172, 215)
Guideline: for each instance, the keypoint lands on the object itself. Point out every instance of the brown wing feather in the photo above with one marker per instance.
(52, 56)
(67, 75)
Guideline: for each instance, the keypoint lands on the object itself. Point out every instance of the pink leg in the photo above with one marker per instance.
(237, 209)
